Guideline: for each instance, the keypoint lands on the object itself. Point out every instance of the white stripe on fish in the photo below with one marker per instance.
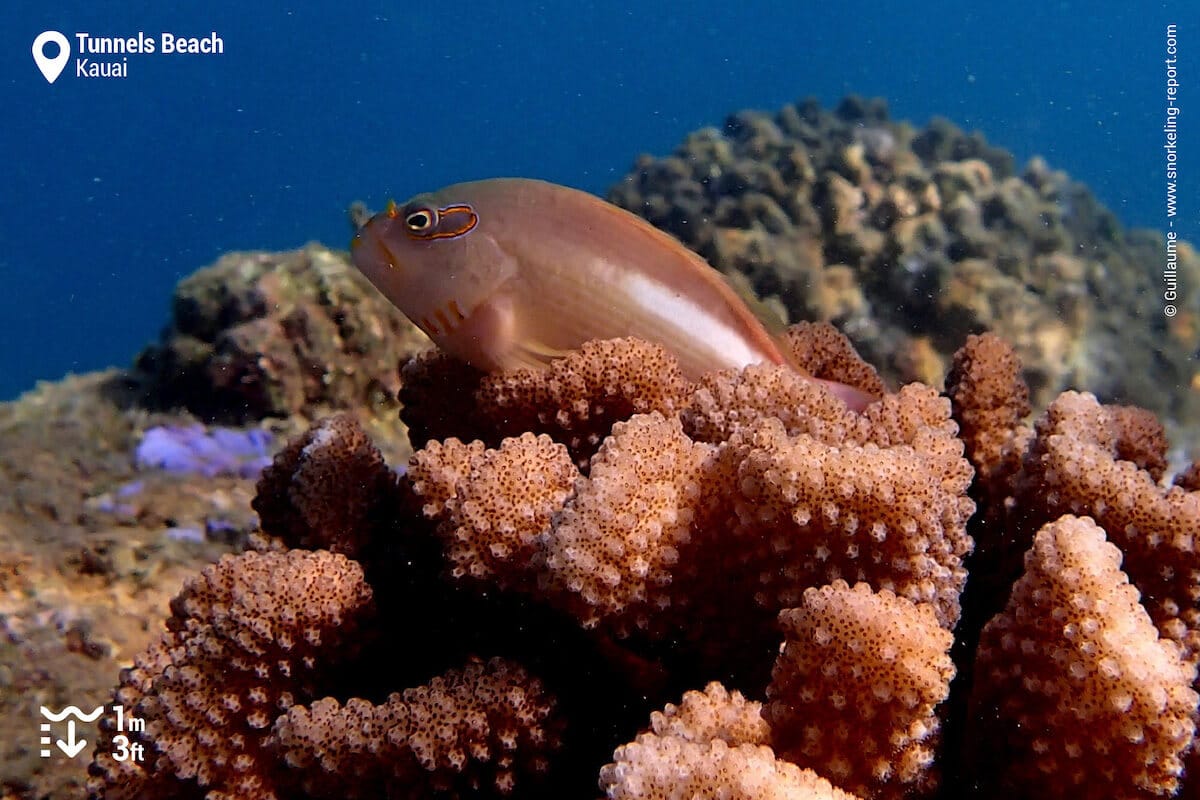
(729, 347)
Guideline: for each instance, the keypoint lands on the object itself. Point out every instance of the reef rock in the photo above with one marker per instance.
(277, 334)
(910, 240)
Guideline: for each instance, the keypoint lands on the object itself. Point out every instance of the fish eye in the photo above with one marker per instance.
(421, 220)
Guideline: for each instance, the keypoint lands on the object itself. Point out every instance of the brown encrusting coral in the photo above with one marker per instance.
(1076, 694)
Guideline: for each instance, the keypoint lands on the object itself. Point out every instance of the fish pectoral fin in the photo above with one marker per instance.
(542, 350)
(531, 353)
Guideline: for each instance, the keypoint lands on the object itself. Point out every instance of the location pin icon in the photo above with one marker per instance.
(51, 67)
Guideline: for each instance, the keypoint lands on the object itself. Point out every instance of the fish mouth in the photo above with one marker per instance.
(369, 249)
(388, 256)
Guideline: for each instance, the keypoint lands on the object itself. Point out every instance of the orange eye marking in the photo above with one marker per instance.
(453, 221)
(441, 317)
(457, 311)
(429, 327)
(393, 210)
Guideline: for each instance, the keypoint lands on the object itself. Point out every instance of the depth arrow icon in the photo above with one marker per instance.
(71, 747)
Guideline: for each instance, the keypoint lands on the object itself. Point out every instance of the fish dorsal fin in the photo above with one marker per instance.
(744, 304)
(773, 316)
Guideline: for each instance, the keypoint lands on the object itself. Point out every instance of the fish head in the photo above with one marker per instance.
(435, 260)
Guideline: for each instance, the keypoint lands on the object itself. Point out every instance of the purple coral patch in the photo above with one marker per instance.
(187, 534)
(197, 450)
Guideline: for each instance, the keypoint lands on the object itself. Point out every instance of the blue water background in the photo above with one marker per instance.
(115, 189)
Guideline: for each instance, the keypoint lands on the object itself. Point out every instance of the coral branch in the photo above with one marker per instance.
(1075, 693)
(248, 638)
(486, 726)
(855, 688)
(327, 489)
(709, 746)
(1075, 467)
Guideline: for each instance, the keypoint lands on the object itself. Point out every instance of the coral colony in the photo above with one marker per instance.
(782, 578)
